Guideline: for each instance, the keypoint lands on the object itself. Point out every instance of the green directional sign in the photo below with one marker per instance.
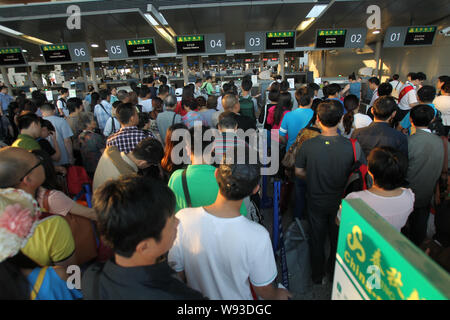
(54, 47)
(376, 262)
(189, 38)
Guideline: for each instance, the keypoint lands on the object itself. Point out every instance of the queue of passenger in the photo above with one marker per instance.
(158, 215)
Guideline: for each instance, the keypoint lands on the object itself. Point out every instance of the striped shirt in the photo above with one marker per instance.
(127, 138)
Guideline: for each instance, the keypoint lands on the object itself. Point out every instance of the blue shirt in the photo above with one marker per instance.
(293, 122)
(5, 100)
(355, 88)
(63, 131)
(406, 122)
(103, 115)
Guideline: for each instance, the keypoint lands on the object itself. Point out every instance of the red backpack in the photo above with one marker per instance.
(359, 178)
(77, 177)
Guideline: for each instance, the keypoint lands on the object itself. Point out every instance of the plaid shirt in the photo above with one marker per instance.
(127, 138)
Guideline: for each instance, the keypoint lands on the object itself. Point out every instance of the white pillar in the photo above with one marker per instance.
(141, 69)
(93, 76)
(377, 57)
(281, 64)
(185, 69)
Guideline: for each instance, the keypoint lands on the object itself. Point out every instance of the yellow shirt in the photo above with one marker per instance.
(51, 242)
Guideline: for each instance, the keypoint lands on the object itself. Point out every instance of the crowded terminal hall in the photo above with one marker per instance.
(224, 150)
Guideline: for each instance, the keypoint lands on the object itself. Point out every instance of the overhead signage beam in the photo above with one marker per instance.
(12, 57)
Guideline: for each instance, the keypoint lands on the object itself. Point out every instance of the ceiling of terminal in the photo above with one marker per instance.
(125, 19)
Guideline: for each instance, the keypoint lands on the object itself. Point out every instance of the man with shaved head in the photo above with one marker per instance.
(230, 102)
(52, 243)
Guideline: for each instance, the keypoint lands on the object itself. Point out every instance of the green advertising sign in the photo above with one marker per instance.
(376, 262)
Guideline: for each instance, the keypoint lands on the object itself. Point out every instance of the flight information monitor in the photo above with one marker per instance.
(280, 40)
(131, 48)
(65, 52)
(340, 38)
(12, 57)
(140, 47)
(56, 53)
(190, 44)
(409, 36)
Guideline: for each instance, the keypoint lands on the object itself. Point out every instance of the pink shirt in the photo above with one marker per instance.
(271, 120)
(58, 202)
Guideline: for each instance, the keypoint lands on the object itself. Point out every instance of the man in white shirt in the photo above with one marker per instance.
(373, 85)
(407, 97)
(221, 253)
(396, 85)
(145, 101)
(61, 103)
(442, 103)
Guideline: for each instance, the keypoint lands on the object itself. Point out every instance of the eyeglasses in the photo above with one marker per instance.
(41, 162)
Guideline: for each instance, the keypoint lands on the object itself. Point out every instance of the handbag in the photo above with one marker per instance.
(83, 234)
(298, 258)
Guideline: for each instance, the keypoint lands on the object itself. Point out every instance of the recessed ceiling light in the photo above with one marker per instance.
(41, 55)
(316, 11)
(376, 32)
(94, 45)
(23, 50)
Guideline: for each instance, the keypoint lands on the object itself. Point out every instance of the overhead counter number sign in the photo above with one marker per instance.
(409, 36)
(12, 57)
(131, 48)
(341, 38)
(70, 52)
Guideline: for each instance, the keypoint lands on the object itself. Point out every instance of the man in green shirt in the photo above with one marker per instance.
(208, 85)
(201, 181)
(29, 125)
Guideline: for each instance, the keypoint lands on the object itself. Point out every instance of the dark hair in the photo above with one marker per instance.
(332, 89)
(274, 94)
(444, 78)
(157, 101)
(208, 78)
(144, 92)
(446, 87)
(385, 89)
(63, 91)
(47, 124)
(25, 120)
(247, 84)
(198, 80)
(316, 103)
(212, 102)
(195, 139)
(421, 115)
(284, 86)
(166, 162)
(163, 89)
(303, 96)
(122, 95)
(311, 88)
(329, 113)
(237, 181)
(414, 76)
(375, 81)
(201, 101)
(51, 181)
(95, 99)
(30, 106)
(226, 87)
(188, 92)
(284, 104)
(38, 98)
(104, 93)
(351, 103)
(227, 120)
(124, 112)
(383, 107)
(275, 86)
(163, 80)
(426, 94)
(147, 80)
(73, 104)
(13, 282)
(388, 167)
(189, 102)
(352, 76)
(144, 118)
(421, 76)
(395, 77)
(48, 107)
(122, 208)
(150, 150)
(116, 104)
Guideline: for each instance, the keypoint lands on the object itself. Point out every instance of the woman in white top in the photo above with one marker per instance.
(352, 119)
(388, 168)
